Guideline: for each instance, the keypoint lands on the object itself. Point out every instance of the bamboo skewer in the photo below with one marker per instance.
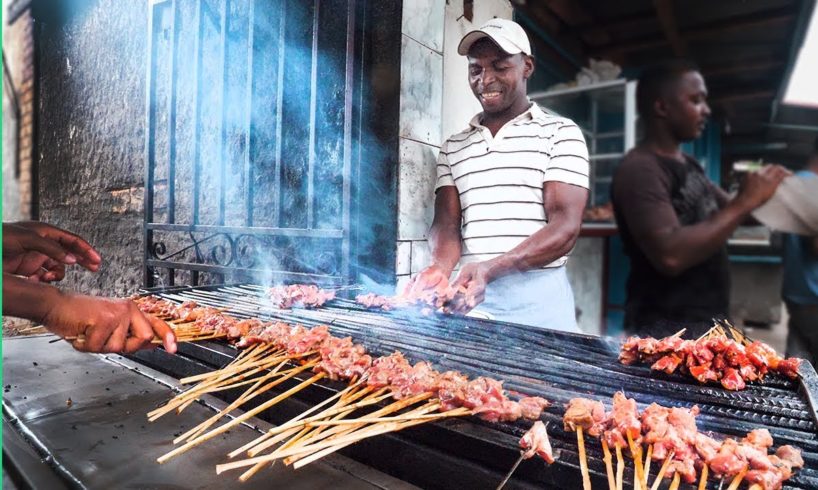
(647, 466)
(606, 456)
(674, 484)
(311, 451)
(637, 463)
(320, 454)
(457, 412)
(298, 417)
(301, 434)
(370, 400)
(248, 395)
(337, 432)
(662, 470)
(703, 479)
(321, 444)
(223, 428)
(583, 460)
(196, 392)
(620, 468)
(737, 480)
(271, 438)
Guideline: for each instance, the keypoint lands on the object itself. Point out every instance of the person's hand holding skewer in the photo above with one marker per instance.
(106, 325)
(40, 252)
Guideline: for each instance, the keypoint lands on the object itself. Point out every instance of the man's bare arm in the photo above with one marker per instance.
(674, 248)
(564, 205)
(444, 236)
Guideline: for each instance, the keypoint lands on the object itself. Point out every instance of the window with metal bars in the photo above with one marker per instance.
(271, 142)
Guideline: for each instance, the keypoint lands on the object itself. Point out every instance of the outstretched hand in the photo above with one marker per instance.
(40, 252)
(107, 325)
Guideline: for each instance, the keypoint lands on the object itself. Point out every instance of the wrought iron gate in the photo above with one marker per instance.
(265, 140)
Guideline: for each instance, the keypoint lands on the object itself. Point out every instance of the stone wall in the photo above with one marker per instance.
(91, 134)
(18, 128)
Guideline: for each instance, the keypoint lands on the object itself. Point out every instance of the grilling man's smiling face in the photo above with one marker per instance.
(497, 79)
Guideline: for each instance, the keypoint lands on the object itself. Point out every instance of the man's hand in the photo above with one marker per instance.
(41, 252)
(107, 325)
(474, 278)
(432, 278)
(758, 187)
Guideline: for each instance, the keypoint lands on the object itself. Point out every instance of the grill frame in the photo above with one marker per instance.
(477, 453)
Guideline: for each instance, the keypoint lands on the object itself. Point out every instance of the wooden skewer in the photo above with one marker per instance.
(756, 486)
(703, 479)
(511, 471)
(606, 456)
(224, 428)
(311, 452)
(298, 417)
(647, 466)
(457, 412)
(337, 432)
(314, 447)
(370, 400)
(737, 480)
(662, 470)
(620, 468)
(274, 436)
(583, 460)
(301, 434)
(637, 462)
(248, 395)
(198, 391)
(360, 435)
(674, 484)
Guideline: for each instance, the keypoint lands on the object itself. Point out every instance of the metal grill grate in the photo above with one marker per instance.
(558, 366)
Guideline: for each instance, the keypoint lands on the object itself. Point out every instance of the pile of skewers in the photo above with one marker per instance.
(671, 436)
(276, 352)
(714, 357)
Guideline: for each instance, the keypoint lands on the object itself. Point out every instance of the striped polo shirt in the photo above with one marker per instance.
(500, 178)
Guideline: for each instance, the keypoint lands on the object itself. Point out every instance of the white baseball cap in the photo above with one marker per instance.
(508, 34)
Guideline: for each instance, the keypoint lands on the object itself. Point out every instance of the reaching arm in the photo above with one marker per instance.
(564, 204)
(106, 324)
(673, 248)
(444, 236)
(444, 242)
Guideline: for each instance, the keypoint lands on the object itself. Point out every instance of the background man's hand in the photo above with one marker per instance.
(40, 252)
(107, 325)
(758, 187)
(432, 278)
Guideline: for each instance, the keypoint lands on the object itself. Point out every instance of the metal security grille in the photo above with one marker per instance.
(256, 116)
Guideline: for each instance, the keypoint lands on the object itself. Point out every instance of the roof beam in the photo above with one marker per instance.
(667, 18)
(743, 96)
(741, 67)
(718, 28)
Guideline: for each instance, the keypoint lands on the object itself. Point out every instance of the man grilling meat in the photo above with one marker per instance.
(511, 189)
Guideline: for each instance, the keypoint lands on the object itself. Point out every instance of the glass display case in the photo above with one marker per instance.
(606, 113)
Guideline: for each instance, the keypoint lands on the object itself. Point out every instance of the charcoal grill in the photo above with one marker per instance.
(470, 453)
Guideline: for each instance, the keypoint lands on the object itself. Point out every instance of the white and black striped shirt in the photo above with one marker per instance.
(500, 178)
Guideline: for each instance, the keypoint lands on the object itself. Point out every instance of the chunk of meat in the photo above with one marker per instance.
(535, 441)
